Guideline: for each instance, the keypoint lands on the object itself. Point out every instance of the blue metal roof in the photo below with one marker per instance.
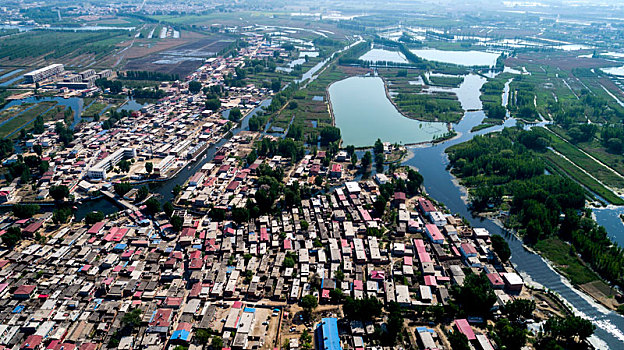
(181, 334)
(329, 330)
(18, 309)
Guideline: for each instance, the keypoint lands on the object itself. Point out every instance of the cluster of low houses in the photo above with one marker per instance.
(170, 133)
(73, 290)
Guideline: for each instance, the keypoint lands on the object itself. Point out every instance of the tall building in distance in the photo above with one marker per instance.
(44, 73)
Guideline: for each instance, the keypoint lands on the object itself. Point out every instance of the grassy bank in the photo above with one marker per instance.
(564, 257)
(581, 177)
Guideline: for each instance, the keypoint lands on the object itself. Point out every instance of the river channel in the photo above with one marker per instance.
(432, 162)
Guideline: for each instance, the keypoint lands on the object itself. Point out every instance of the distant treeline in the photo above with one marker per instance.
(145, 75)
(149, 93)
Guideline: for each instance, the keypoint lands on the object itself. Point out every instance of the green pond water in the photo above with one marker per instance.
(363, 113)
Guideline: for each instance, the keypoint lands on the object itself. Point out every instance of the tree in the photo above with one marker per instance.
(60, 216)
(38, 149)
(289, 262)
(142, 193)
(176, 190)
(569, 329)
(394, 325)
(12, 236)
(213, 104)
(380, 205)
(25, 211)
(365, 309)
(132, 319)
(476, 296)
(177, 223)
(252, 156)
(308, 303)
(379, 162)
(458, 341)
(168, 209)
(354, 159)
(194, 86)
(122, 188)
(217, 343)
(202, 336)
(93, 217)
(304, 225)
(240, 215)
(124, 165)
(336, 295)
(276, 85)
(378, 148)
(512, 336)
(152, 206)
(318, 180)
(149, 167)
(366, 161)
(518, 309)
(59, 192)
(329, 134)
(235, 114)
(501, 248)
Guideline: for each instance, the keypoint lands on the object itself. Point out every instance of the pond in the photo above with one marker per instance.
(382, 55)
(131, 105)
(462, 58)
(609, 218)
(467, 93)
(364, 113)
(619, 71)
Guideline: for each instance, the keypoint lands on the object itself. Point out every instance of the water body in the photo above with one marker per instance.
(364, 113)
(467, 92)
(75, 103)
(131, 105)
(378, 55)
(462, 58)
(609, 218)
(13, 72)
(12, 81)
(431, 161)
(619, 71)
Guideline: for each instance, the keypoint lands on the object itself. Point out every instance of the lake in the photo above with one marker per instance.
(364, 113)
(461, 58)
(381, 55)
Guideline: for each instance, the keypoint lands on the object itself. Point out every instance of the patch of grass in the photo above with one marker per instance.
(481, 127)
(24, 118)
(578, 175)
(94, 109)
(566, 260)
(600, 172)
(446, 81)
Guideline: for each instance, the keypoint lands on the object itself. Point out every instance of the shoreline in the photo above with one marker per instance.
(457, 134)
(496, 220)
(594, 298)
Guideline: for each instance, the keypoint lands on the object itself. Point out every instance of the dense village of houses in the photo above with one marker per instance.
(168, 134)
(72, 291)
